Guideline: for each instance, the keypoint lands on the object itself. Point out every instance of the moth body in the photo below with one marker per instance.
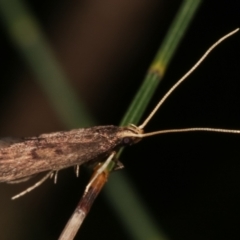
(20, 158)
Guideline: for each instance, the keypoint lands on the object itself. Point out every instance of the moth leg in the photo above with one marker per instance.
(55, 175)
(118, 165)
(77, 170)
(33, 187)
(100, 170)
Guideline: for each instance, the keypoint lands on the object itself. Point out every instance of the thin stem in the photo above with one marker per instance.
(84, 206)
(120, 184)
(161, 61)
(30, 41)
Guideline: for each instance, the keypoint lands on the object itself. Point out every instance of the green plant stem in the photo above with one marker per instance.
(161, 61)
(27, 36)
(143, 226)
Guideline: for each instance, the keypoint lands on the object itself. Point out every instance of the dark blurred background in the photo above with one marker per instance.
(190, 181)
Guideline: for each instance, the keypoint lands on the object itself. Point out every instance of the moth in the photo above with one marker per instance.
(23, 158)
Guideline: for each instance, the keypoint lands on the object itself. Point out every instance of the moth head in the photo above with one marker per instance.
(130, 135)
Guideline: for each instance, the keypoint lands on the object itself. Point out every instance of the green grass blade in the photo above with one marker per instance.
(119, 186)
(30, 41)
(158, 67)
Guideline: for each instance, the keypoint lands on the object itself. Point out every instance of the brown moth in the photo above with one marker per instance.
(23, 158)
(54, 151)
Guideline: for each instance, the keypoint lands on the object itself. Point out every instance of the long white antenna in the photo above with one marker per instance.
(184, 77)
(200, 129)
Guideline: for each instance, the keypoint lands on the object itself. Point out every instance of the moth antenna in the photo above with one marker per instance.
(34, 186)
(199, 129)
(142, 126)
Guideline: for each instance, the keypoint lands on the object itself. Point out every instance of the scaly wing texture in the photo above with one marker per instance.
(27, 156)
